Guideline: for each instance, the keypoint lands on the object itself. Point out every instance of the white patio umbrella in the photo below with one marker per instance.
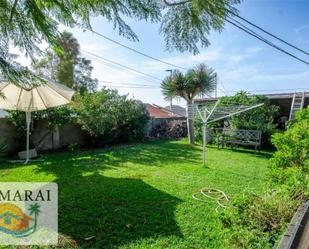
(29, 98)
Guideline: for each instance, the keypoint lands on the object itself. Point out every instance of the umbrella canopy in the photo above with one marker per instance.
(30, 98)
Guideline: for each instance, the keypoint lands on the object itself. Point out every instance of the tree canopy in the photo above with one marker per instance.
(197, 81)
(261, 118)
(185, 25)
(67, 66)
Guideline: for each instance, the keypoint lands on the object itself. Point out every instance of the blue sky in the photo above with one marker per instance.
(242, 62)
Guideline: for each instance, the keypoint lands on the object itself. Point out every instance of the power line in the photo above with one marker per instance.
(127, 84)
(115, 67)
(121, 65)
(232, 13)
(267, 32)
(254, 34)
(136, 51)
(259, 37)
(138, 87)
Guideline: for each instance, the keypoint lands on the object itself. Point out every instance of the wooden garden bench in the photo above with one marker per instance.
(240, 137)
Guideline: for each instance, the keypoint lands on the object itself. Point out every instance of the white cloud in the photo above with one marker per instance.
(302, 28)
(210, 56)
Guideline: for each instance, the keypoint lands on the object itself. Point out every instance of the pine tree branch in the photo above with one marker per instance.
(175, 3)
(13, 10)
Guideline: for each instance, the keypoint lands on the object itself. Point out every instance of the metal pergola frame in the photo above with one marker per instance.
(207, 115)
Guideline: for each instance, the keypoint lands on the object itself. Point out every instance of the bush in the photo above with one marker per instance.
(261, 118)
(293, 145)
(110, 117)
(55, 117)
(18, 119)
(107, 116)
(174, 129)
(258, 221)
(73, 147)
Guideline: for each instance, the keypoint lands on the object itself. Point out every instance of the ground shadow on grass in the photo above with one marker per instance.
(111, 212)
(156, 153)
(260, 154)
(105, 212)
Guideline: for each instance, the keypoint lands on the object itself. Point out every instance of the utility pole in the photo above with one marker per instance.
(171, 100)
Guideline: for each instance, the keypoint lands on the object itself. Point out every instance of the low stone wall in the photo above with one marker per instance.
(41, 137)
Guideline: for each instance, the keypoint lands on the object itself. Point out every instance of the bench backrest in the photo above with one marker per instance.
(242, 135)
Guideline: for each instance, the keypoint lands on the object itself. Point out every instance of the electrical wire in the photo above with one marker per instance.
(121, 65)
(135, 50)
(138, 87)
(267, 32)
(128, 84)
(254, 34)
(115, 67)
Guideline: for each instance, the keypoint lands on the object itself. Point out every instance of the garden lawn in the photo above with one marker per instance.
(140, 196)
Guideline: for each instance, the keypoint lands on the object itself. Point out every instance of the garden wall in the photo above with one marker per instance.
(42, 138)
(9, 135)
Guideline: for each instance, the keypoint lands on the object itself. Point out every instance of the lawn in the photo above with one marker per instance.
(140, 196)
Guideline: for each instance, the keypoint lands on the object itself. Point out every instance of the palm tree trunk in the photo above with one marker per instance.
(190, 125)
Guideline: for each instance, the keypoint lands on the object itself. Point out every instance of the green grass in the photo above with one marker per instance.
(140, 196)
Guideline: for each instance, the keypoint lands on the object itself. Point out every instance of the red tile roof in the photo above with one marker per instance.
(158, 112)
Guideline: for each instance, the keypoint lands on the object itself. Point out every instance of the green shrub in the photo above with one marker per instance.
(261, 118)
(56, 116)
(18, 119)
(110, 117)
(293, 145)
(107, 116)
(73, 147)
(257, 221)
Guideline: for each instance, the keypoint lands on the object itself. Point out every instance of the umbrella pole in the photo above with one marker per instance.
(28, 121)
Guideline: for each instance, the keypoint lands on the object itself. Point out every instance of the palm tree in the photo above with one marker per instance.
(35, 209)
(197, 81)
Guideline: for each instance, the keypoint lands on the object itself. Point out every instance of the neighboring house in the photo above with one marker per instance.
(288, 103)
(177, 109)
(159, 115)
(157, 112)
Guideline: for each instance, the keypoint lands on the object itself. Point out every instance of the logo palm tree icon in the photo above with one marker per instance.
(35, 209)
